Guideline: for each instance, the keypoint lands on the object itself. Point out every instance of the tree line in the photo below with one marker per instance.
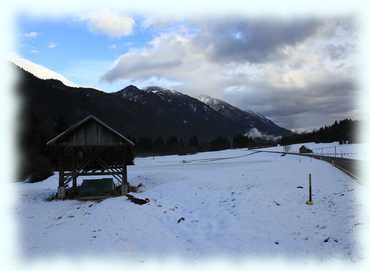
(34, 163)
(178, 145)
(344, 131)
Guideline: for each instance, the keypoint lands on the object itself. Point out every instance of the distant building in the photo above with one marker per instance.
(304, 149)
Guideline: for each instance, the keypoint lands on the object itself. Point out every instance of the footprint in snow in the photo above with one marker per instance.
(327, 240)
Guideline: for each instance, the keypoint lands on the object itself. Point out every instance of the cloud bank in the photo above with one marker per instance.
(298, 72)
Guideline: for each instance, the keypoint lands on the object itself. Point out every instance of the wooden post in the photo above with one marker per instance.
(309, 201)
(61, 181)
(74, 174)
(61, 188)
(124, 185)
(74, 182)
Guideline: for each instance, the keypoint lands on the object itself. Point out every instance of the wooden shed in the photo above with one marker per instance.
(90, 148)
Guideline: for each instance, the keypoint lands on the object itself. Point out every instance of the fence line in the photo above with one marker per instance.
(332, 151)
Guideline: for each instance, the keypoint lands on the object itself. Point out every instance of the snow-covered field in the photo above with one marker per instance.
(334, 149)
(233, 203)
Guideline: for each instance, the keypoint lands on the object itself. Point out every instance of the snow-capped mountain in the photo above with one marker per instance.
(249, 121)
(141, 95)
(161, 91)
(39, 70)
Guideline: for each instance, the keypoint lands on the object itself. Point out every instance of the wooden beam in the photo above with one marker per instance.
(93, 174)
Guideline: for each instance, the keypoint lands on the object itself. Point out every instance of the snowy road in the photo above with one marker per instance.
(226, 203)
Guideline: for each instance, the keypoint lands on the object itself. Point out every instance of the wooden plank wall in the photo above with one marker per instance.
(92, 133)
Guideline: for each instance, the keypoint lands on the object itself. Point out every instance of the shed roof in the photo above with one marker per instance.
(74, 127)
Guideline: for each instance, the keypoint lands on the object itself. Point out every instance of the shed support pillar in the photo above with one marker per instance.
(61, 188)
(74, 173)
(124, 186)
(74, 183)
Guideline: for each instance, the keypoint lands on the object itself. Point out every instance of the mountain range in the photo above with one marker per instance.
(151, 112)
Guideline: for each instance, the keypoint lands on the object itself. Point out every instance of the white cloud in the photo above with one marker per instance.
(109, 23)
(255, 133)
(170, 57)
(52, 45)
(38, 70)
(31, 35)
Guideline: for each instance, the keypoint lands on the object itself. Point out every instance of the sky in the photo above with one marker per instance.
(299, 72)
